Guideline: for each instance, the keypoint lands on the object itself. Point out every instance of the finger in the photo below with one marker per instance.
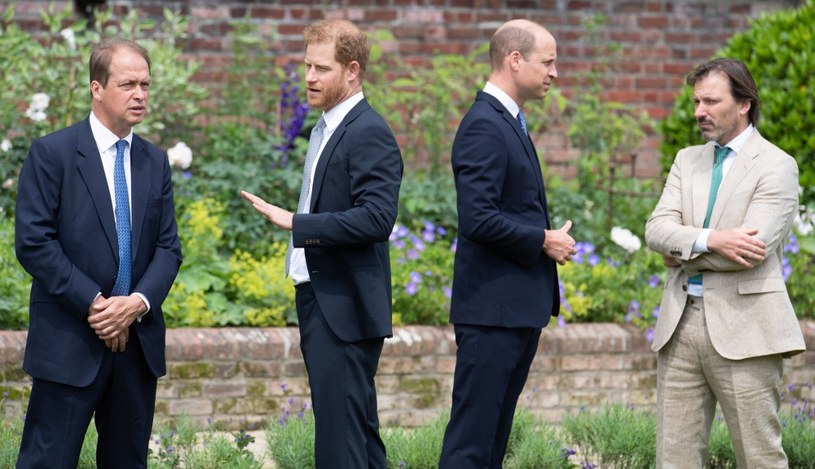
(567, 226)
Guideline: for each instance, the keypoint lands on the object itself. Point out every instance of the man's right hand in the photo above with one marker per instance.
(740, 245)
(115, 344)
(559, 245)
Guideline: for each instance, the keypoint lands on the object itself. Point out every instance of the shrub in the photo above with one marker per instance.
(421, 272)
(619, 435)
(15, 283)
(44, 87)
(777, 48)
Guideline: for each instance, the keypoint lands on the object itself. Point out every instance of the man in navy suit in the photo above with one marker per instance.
(505, 285)
(95, 228)
(340, 262)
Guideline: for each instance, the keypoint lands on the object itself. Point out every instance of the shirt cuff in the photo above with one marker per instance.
(146, 303)
(700, 245)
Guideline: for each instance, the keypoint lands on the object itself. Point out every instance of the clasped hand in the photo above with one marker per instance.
(559, 245)
(111, 318)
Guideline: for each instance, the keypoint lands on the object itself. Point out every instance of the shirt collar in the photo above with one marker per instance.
(105, 138)
(738, 142)
(503, 98)
(334, 116)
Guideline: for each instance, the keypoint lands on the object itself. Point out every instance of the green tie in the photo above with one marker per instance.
(715, 180)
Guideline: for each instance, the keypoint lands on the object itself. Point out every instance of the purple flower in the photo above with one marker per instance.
(411, 288)
(454, 244)
(441, 231)
(417, 242)
(398, 243)
(649, 334)
(653, 281)
(415, 277)
(655, 311)
(412, 254)
(398, 232)
(561, 322)
(792, 245)
(786, 268)
(593, 259)
(448, 292)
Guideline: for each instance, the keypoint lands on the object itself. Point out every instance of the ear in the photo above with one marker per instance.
(744, 107)
(353, 70)
(96, 87)
(514, 59)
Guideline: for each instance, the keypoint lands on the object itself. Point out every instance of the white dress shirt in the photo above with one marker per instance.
(333, 117)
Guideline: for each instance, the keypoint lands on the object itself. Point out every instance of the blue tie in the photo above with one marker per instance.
(522, 120)
(122, 286)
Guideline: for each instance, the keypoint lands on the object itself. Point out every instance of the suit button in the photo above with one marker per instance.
(684, 288)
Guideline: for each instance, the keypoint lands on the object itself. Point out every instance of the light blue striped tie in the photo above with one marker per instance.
(314, 142)
(522, 120)
(122, 286)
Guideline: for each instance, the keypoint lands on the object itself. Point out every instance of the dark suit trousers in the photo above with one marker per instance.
(343, 393)
(492, 364)
(122, 397)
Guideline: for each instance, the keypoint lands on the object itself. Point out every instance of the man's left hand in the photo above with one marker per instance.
(113, 316)
(279, 217)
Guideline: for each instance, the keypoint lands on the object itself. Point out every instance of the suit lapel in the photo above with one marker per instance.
(701, 174)
(139, 180)
(328, 151)
(529, 148)
(90, 168)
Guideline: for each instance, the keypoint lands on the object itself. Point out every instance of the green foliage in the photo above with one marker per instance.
(623, 287)
(536, 445)
(290, 440)
(415, 448)
(212, 289)
(777, 48)
(55, 71)
(15, 283)
(422, 273)
(619, 435)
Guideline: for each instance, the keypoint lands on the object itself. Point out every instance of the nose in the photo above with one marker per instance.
(553, 71)
(310, 78)
(700, 111)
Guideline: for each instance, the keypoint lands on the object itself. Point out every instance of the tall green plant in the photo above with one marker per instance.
(777, 48)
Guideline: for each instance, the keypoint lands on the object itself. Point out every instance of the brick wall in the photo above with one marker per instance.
(660, 40)
(242, 377)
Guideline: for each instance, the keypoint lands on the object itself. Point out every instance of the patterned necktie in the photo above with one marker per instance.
(522, 120)
(719, 154)
(122, 286)
(314, 142)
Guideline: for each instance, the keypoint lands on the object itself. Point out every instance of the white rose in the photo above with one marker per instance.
(8, 183)
(625, 239)
(35, 114)
(69, 36)
(180, 156)
(803, 223)
(39, 102)
(5, 145)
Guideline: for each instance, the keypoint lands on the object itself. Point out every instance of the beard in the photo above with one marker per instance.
(328, 97)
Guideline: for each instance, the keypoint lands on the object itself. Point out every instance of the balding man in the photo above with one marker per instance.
(505, 285)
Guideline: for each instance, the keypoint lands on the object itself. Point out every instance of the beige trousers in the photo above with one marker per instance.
(692, 377)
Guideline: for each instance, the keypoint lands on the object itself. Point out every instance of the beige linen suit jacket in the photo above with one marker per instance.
(748, 311)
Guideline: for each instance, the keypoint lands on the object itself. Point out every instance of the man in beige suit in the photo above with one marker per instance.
(726, 320)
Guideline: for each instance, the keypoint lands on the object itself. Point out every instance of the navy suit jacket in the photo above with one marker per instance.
(66, 239)
(353, 209)
(501, 277)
